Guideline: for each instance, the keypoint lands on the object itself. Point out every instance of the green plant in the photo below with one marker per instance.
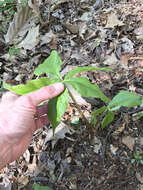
(123, 98)
(13, 50)
(39, 187)
(137, 158)
(58, 105)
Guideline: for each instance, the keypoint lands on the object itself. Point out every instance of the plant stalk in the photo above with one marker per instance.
(88, 125)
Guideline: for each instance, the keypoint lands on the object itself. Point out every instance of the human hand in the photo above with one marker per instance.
(18, 121)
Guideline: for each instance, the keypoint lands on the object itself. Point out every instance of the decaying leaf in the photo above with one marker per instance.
(34, 4)
(129, 142)
(73, 28)
(113, 21)
(83, 29)
(139, 177)
(30, 40)
(5, 183)
(56, 3)
(139, 33)
(20, 24)
(60, 132)
(81, 101)
(47, 38)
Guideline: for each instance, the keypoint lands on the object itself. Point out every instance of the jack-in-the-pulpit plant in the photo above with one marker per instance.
(58, 105)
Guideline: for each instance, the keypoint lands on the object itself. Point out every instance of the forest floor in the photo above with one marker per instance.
(84, 33)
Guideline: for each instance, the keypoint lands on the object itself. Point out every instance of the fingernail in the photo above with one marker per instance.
(58, 86)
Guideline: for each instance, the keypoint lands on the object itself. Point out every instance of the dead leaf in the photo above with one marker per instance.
(97, 145)
(73, 28)
(139, 33)
(32, 167)
(47, 38)
(5, 183)
(127, 45)
(23, 180)
(34, 4)
(60, 132)
(139, 177)
(129, 142)
(26, 155)
(141, 63)
(86, 17)
(82, 29)
(56, 3)
(113, 149)
(78, 98)
(111, 60)
(31, 39)
(140, 186)
(119, 130)
(113, 21)
(19, 24)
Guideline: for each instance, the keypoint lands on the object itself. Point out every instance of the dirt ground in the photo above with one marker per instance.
(86, 32)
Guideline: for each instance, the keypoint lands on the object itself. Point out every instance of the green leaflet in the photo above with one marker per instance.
(97, 112)
(107, 119)
(125, 98)
(39, 187)
(57, 107)
(51, 65)
(84, 69)
(30, 86)
(86, 89)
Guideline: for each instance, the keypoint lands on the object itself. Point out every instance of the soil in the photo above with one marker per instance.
(73, 162)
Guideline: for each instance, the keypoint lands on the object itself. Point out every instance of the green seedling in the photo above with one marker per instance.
(39, 187)
(13, 50)
(137, 158)
(58, 105)
(122, 99)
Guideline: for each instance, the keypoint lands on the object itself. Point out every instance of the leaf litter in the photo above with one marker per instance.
(85, 33)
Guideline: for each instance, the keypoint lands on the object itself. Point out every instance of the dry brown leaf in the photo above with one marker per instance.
(34, 4)
(31, 40)
(23, 180)
(139, 177)
(113, 21)
(119, 130)
(19, 24)
(56, 3)
(129, 142)
(73, 28)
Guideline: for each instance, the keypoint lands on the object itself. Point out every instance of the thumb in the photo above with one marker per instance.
(47, 92)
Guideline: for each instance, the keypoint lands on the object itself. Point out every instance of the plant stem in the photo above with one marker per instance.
(88, 125)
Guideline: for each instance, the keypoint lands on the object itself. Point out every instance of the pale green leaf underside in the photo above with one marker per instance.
(107, 119)
(125, 98)
(57, 107)
(51, 65)
(86, 89)
(31, 86)
(84, 69)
